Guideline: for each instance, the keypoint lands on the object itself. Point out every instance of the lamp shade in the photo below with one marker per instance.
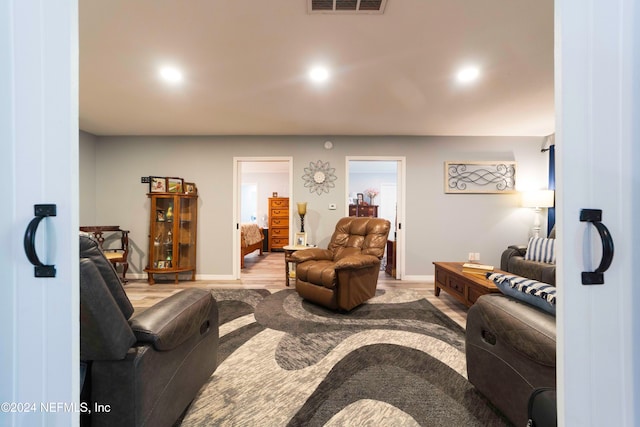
(302, 208)
(537, 199)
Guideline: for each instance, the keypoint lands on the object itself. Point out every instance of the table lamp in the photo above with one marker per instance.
(537, 199)
(302, 210)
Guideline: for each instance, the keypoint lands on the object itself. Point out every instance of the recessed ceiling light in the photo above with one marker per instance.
(171, 74)
(319, 74)
(468, 74)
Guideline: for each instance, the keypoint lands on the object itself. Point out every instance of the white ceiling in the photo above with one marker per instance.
(245, 65)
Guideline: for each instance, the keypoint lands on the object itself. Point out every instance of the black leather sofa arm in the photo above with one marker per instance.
(173, 320)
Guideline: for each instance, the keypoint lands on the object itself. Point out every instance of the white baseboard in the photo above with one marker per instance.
(419, 278)
(215, 277)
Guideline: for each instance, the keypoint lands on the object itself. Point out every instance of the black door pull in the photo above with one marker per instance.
(40, 269)
(594, 216)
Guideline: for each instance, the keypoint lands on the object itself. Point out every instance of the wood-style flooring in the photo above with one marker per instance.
(267, 272)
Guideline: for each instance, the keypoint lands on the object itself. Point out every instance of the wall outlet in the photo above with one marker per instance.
(144, 180)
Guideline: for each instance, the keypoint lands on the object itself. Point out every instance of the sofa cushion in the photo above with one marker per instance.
(541, 249)
(538, 294)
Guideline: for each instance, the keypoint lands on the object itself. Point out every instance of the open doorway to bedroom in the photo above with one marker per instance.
(256, 180)
(376, 187)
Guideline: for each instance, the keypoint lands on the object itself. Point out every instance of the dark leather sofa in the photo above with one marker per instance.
(144, 368)
(513, 261)
(510, 344)
(510, 350)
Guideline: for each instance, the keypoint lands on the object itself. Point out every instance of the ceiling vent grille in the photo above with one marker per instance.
(347, 6)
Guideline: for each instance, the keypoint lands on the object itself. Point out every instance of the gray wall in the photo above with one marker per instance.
(87, 158)
(438, 226)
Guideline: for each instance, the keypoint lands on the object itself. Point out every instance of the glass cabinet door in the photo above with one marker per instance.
(187, 232)
(163, 233)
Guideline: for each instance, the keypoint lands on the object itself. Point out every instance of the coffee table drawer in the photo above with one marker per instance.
(456, 286)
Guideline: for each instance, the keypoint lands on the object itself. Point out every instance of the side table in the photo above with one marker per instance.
(288, 251)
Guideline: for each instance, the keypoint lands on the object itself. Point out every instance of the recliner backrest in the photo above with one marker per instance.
(90, 249)
(355, 235)
(105, 333)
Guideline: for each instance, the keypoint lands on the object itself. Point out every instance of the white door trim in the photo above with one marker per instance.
(236, 202)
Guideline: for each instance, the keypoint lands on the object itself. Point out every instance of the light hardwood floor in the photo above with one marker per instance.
(267, 272)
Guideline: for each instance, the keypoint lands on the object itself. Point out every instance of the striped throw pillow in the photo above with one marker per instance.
(541, 249)
(539, 294)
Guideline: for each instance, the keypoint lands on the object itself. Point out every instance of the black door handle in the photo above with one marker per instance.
(40, 269)
(594, 216)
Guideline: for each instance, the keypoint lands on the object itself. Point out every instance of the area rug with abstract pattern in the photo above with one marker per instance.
(282, 361)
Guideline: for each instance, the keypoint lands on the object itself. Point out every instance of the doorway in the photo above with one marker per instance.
(255, 180)
(380, 182)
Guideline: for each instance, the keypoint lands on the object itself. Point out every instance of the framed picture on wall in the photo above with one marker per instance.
(157, 184)
(480, 177)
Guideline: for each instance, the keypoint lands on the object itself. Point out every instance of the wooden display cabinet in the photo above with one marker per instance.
(172, 234)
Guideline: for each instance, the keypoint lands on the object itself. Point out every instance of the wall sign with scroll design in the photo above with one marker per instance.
(480, 177)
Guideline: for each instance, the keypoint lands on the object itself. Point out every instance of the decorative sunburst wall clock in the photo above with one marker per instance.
(319, 177)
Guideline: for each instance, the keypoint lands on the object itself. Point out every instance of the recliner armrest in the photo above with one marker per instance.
(173, 320)
(310, 254)
(356, 261)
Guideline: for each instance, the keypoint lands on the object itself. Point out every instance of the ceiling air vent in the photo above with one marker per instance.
(346, 6)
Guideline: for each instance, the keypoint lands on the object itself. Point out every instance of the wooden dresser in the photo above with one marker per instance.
(278, 223)
(363, 210)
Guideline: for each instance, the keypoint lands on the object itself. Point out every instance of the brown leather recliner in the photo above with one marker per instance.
(145, 368)
(345, 274)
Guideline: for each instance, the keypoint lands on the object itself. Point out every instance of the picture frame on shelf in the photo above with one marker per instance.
(360, 199)
(190, 188)
(160, 216)
(162, 264)
(300, 239)
(157, 184)
(175, 185)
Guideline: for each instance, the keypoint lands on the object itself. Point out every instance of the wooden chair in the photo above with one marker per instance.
(114, 255)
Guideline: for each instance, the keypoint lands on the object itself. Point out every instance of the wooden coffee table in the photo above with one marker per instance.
(465, 287)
